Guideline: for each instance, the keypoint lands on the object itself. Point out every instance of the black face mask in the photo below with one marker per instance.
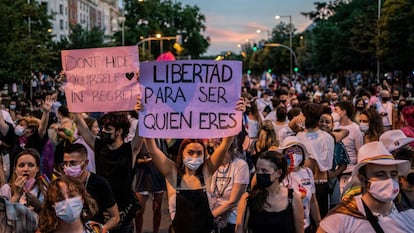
(395, 98)
(106, 138)
(410, 178)
(385, 99)
(283, 101)
(359, 108)
(263, 180)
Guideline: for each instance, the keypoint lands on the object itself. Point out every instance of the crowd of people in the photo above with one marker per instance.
(310, 157)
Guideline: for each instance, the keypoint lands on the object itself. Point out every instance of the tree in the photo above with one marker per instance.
(147, 18)
(25, 40)
(396, 40)
(80, 38)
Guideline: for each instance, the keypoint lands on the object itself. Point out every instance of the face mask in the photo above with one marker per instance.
(359, 108)
(28, 186)
(385, 99)
(335, 116)
(297, 159)
(73, 171)
(263, 180)
(366, 101)
(12, 107)
(69, 210)
(410, 178)
(395, 98)
(283, 101)
(384, 190)
(106, 138)
(193, 163)
(364, 127)
(19, 130)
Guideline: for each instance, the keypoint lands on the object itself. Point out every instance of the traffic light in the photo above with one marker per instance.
(254, 47)
(296, 69)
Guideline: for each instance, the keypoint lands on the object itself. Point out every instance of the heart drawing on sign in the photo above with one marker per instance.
(129, 76)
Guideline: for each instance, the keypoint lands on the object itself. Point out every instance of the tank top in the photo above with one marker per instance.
(193, 214)
(273, 222)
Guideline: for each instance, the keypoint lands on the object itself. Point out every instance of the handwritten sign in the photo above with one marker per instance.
(190, 99)
(101, 79)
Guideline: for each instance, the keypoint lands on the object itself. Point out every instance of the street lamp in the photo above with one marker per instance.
(378, 33)
(122, 21)
(290, 37)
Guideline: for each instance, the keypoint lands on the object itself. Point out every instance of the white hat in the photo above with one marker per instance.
(376, 153)
(394, 139)
(293, 141)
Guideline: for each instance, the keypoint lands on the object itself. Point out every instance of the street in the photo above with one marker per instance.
(165, 216)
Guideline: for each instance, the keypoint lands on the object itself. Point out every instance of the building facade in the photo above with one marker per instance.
(103, 14)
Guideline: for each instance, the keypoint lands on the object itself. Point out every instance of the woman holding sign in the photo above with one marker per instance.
(189, 177)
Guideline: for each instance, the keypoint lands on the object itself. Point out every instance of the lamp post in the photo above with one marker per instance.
(122, 20)
(378, 34)
(290, 38)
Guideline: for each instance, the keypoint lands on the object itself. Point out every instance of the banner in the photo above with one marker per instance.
(101, 79)
(190, 99)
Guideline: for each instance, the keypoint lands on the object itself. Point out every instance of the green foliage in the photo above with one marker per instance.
(25, 47)
(347, 36)
(147, 18)
(81, 38)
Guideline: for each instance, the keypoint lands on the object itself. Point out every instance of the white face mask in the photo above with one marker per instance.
(193, 163)
(364, 127)
(19, 130)
(69, 210)
(384, 190)
(297, 159)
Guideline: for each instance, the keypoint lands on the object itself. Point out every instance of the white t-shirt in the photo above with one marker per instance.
(91, 154)
(303, 184)
(352, 143)
(7, 117)
(252, 127)
(320, 145)
(237, 172)
(261, 104)
(282, 131)
(342, 223)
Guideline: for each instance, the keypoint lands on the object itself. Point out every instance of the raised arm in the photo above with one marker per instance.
(136, 144)
(160, 160)
(46, 107)
(4, 127)
(84, 130)
(213, 163)
(218, 156)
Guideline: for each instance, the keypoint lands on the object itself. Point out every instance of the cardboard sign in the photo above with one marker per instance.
(101, 79)
(190, 99)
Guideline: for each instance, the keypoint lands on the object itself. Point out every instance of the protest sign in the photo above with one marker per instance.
(190, 99)
(101, 79)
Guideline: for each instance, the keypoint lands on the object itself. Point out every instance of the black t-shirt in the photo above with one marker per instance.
(100, 190)
(116, 167)
(10, 136)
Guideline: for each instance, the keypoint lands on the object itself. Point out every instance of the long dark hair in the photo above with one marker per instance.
(183, 145)
(376, 127)
(258, 195)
